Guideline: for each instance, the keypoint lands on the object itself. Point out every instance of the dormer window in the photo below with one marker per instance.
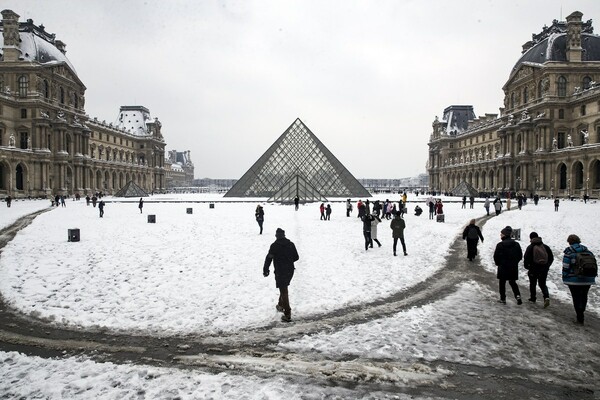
(23, 82)
(586, 84)
(562, 86)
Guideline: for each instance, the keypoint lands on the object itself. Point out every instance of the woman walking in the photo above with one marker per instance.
(472, 234)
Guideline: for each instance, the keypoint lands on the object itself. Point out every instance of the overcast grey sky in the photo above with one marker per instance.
(226, 78)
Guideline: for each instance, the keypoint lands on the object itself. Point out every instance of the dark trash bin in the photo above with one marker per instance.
(211, 205)
(151, 219)
(74, 235)
(189, 210)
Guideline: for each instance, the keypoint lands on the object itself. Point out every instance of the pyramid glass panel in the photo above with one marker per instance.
(297, 164)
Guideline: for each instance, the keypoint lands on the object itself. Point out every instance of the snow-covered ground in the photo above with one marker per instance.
(201, 273)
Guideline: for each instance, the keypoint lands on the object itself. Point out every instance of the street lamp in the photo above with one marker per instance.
(569, 187)
(551, 187)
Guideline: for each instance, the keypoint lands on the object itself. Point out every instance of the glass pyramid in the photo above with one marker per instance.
(297, 164)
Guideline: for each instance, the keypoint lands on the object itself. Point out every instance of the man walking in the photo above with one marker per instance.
(141, 204)
(397, 225)
(283, 254)
(507, 255)
(472, 234)
(101, 208)
(537, 260)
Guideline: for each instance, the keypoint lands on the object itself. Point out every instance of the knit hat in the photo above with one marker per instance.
(506, 231)
(279, 233)
(533, 235)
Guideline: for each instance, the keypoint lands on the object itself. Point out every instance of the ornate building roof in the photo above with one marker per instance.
(551, 44)
(37, 45)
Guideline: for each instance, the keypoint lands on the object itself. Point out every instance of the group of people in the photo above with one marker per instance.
(579, 267)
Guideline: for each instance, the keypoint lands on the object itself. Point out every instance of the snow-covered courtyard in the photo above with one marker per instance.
(359, 316)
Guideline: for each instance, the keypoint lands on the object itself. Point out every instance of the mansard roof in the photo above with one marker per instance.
(551, 45)
(39, 46)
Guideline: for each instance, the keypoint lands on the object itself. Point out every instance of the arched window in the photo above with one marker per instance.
(586, 83)
(23, 82)
(562, 86)
(19, 177)
(563, 177)
(578, 175)
(525, 96)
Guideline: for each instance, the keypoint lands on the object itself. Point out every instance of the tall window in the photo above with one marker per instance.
(23, 82)
(586, 84)
(583, 110)
(512, 100)
(561, 140)
(46, 89)
(525, 96)
(539, 90)
(23, 140)
(75, 101)
(62, 95)
(561, 113)
(562, 86)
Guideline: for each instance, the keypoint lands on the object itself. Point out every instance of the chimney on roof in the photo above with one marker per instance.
(574, 36)
(61, 46)
(10, 21)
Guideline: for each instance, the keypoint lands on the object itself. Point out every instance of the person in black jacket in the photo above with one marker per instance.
(472, 234)
(259, 214)
(366, 220)
(283, 254)
(537, 267)
(507, 255)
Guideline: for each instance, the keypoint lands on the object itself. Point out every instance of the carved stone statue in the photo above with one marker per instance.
(554, 144)
(11, 140)
(586, 136)
(545, 85)
(569, 140)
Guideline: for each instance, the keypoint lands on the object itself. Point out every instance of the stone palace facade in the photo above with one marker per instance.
(546, 139)
(48, 144)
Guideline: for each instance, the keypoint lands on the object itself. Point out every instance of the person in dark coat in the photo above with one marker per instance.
(464, 202)
(507, 255)
(322, 210)
(471, 202)
(328, 212)
(579, 286)
(141, 204)
(8, 201)
(536, 269)
(418, 211)
(101, 208)
(283, 254)
(367, 219)
(259, 214)
(556, 203)
(296, 202)
(431, 205)
(472, 234)
(397, 225)
(94, 200)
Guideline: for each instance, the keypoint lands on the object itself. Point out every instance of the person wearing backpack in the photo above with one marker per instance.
(579, 272)
(472, 234)
(537, 260)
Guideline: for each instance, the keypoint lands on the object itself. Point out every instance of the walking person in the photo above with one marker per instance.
(62, 201)
(366, 220)
(348, 207)
(431, 206)
(508, 203)
(101, 208)
(94, 200)
(397, 225)
(486, 205)
(507, 255)
(498, 205)
(471, 202)
(322, 210)
(141, 204)
(8, 201)
(283, 254)
(259, 214)
(579, 271)
(472, 234)
(556, 203)
(328, 212)
(296, 202)
(374, 223)
(537, 260)
(464, 202)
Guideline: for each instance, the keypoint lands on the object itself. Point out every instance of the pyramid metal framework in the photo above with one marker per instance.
(297, 164)
(131, 190)
(464, 189)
